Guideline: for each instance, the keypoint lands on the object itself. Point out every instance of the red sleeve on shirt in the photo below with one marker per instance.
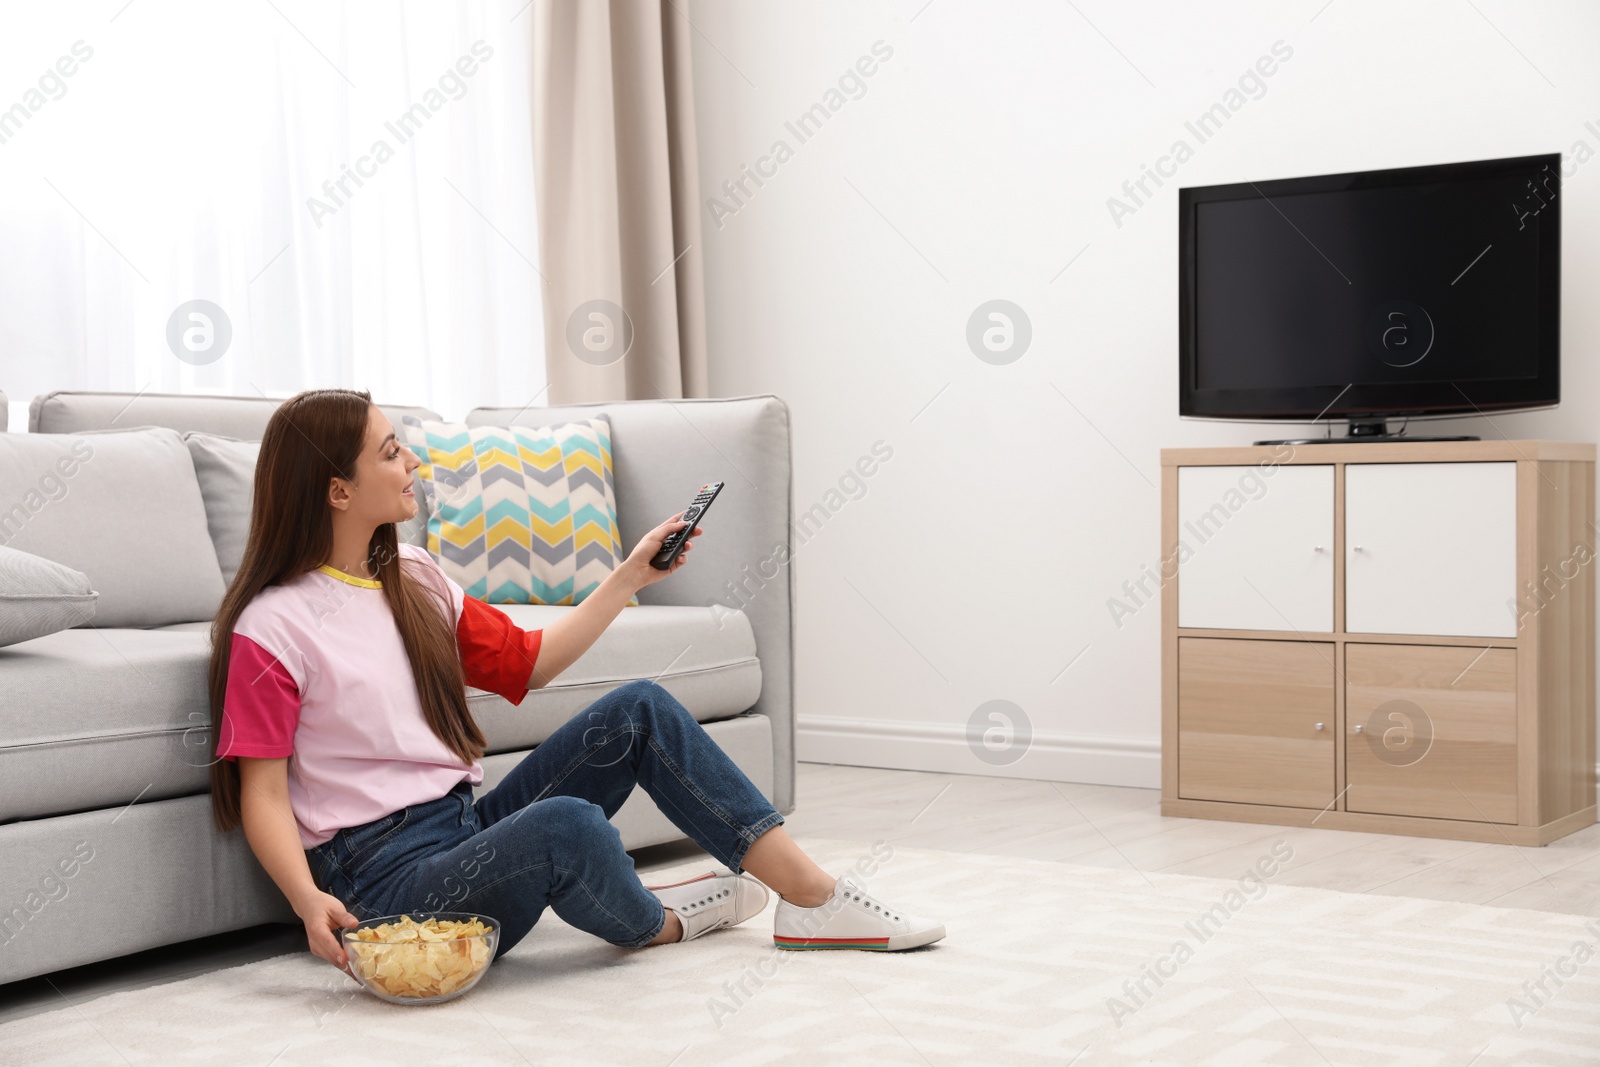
(497, 655)
(261, 705)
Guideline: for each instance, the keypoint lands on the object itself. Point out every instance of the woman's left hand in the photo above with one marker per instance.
(638, 561)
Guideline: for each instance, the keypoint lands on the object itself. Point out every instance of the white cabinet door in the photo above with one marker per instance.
(1431, 548)
(1255, 548)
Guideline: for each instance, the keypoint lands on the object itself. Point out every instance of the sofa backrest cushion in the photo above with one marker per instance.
(226, 469)
(123, 507)
(224, 418)
(39, 596)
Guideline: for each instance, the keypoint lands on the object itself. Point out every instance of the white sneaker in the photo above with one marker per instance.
(712, 900)
(851, 919)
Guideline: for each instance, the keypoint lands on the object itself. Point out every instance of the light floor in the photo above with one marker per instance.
(1089, 825)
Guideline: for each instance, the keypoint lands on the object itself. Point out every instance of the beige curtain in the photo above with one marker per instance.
(619, 200)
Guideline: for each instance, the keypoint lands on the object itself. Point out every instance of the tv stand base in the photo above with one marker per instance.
(1365, 430)
(1390, 438)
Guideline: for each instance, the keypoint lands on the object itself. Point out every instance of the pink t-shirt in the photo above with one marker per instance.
(317, 672)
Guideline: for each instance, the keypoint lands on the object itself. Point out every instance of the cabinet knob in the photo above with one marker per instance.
(1319, 726)
(1316, 548)
(1360, 548)
(1358, 728)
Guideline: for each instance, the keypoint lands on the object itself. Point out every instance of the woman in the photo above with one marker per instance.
(347, 751)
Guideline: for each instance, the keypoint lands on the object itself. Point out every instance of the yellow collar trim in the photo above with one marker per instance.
(364, 583)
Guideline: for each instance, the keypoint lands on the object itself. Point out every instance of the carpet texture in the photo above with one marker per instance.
(1044, 963)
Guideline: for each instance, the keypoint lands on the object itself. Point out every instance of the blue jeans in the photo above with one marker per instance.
(542, 836)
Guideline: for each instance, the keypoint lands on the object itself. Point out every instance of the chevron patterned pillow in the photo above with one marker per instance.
(520, 514)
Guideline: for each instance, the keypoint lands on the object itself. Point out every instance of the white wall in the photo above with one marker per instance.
(978, 164)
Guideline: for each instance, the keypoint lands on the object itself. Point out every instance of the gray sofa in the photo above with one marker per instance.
(107, 844)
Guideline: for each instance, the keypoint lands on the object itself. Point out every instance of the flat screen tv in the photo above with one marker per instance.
(1421, 291)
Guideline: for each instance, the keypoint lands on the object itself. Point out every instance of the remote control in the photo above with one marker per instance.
(692, 515)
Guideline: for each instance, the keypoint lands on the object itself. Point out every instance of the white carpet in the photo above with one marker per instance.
(1035, 952)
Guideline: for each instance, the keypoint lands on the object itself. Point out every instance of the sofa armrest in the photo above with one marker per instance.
(662, 452)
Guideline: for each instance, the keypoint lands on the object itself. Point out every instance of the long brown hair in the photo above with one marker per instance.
(312, 437)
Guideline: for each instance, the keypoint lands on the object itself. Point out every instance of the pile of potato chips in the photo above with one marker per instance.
(426, 959)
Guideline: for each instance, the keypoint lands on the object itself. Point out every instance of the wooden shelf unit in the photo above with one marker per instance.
(1473, 564)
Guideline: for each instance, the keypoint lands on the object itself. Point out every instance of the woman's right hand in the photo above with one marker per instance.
(637, 565)
(323, 913)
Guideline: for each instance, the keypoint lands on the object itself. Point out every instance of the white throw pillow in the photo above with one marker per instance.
(39, 597)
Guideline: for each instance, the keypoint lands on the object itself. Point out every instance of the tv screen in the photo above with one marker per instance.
(1419, 291)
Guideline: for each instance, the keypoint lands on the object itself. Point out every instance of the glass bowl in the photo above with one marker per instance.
(419, 971)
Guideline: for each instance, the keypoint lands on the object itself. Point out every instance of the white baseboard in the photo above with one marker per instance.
(938, 747)
(933, 747)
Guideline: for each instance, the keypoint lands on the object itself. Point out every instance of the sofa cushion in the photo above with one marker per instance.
(104, 716)
(39, 596)
(110, 715)
(123, 507)
(520, 515)
(707, 653)
(225, 468)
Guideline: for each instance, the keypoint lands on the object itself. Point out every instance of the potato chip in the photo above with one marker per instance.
(419, 959)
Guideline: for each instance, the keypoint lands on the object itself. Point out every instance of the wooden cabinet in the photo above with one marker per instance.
(1431, 548)
(1255, 721)
(1259, 549)
(1389, 637)
(1431, 731)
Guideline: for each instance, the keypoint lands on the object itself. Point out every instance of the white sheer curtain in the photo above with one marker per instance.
(350, 183)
